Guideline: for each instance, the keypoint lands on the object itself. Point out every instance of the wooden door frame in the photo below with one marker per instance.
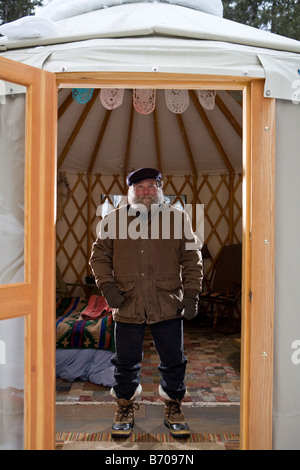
(258, 268)
(40, 359)
(34, 299)
(258, 231)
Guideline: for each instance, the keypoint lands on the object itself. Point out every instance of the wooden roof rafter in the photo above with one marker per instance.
(186, 143)
(127, 152)
(77, 128)
(211, 132)
(65, 105)
(192, 164)
(99, 140)
(157, 140)
(230, 117)
(227, 113)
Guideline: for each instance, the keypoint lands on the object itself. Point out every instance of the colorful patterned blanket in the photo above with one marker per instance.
(77, 327)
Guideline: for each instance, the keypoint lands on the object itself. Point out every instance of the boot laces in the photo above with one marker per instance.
(126, 411)
(174, 408)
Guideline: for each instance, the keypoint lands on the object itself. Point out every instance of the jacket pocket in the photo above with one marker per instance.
(169, 293)
(127, 287)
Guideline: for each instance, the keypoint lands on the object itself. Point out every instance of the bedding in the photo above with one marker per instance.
(85, 364)
(82, 323)
(84, 340)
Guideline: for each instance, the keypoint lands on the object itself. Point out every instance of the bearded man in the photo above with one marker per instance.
(149, 276)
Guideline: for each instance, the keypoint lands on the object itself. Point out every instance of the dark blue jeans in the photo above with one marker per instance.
(168, 340)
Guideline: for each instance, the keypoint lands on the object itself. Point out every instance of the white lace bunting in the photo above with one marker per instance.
(111, 98)
(177, 101)
(144, 100)
(207, 98)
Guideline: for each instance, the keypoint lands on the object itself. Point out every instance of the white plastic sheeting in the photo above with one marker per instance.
(153, 18)
(12, 333)
(58, 10)
(29, 27)
(12, 157)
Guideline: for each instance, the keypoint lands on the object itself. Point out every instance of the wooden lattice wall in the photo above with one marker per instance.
(76, 227)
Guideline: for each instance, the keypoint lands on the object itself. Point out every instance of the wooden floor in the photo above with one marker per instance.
(91, 418)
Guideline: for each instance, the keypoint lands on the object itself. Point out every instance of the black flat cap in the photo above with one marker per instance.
(143, 174)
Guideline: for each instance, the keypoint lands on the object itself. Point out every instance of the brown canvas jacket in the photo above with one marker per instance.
(153, 272)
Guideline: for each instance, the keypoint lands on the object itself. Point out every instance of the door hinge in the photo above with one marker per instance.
(250, 295)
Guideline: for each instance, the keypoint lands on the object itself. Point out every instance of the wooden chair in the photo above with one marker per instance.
(224, 286)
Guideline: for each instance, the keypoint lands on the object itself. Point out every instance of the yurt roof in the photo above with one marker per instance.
(174, 36)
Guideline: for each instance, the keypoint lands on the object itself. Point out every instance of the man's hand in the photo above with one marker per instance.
(189, 307)
(113, 295)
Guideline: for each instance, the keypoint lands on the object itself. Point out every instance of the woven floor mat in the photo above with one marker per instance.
(210, 377)
(104, 441)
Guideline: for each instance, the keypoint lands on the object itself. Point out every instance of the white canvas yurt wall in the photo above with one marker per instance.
(184, 37)
(287, 278)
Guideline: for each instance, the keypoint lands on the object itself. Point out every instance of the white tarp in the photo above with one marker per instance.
(138, 37)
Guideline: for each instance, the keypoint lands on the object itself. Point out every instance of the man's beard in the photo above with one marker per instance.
(147, 200)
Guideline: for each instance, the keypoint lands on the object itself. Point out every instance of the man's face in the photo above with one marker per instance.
(146, 192)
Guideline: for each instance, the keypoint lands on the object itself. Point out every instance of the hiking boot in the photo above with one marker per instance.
(173, 416)
(124, 416)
